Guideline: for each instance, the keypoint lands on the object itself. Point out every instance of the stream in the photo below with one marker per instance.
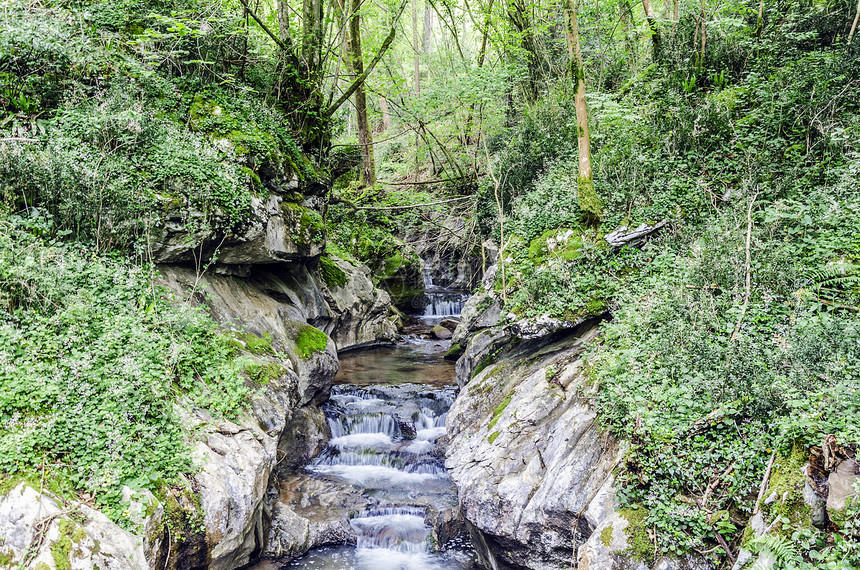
(386, 414)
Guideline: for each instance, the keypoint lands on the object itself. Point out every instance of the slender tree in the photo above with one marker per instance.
(854, 24)
(365, 139)
(589, 203)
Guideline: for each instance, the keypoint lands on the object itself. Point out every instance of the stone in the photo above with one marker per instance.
(274, 231)
(441, 332)
(90, 540)
(841, 484)
(526, 455)
(532, 467)
(450, 324)
(482, 310)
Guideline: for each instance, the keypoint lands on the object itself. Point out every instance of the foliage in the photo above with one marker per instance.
(93, 358)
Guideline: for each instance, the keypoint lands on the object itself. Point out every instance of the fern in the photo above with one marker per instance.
(774, 551)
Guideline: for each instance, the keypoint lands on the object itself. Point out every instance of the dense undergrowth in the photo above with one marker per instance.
(96, 363)
(735, 330)
(116, 117)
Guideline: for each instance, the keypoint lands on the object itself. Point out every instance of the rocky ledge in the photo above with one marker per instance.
(224, 516)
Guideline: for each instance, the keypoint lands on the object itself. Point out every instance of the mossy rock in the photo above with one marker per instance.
(249, 342)
(787, 481)
(497, 413)
(564, 244)
(331, 274)
(264, 373)
(309, 341)
(454, 352)
(304, 226)
(639, 545)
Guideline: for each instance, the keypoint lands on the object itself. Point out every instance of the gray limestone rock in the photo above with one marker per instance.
(275, 231)
(72, 536)
(841, 484)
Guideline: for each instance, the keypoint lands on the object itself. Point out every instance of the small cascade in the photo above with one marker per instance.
(384, 443)
(441, 302)
(369, 448)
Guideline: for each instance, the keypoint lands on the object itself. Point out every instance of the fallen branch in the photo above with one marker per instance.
(725, 546)
(19, 139)
(763, 488)
(421, 182)
(265, 28)
(404, 207)
(748, 264)
(713, 484)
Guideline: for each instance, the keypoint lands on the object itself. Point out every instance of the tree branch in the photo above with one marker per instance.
(257, 19)
(361, 78)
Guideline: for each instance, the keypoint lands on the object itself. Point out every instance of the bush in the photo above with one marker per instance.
(93, 360)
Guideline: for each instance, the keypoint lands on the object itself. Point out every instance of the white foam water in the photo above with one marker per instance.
(383, 442)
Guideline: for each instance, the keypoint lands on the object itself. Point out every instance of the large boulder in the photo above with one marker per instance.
(533, 469)
(528, 460)
(43, 532)
(277, 229)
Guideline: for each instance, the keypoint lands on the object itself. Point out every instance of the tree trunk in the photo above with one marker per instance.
(427, 37)
(365, 140)
(704, 31)
(854, 25)
(652, 25)
(386, 114)
(519, 18)
(416, 48)
(589, 203)
(312, 36)
(626, 16)
(283, 21)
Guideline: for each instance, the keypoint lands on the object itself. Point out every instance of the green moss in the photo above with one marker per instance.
(639, 545)
(252, 343)
(568, 250)
(305, 226)
(497, 413)
(333, 275)
(310, 340)
(493, 436)
(589, 203)
(786, 480)
(486, 361)
(256, 183)
(6, 558)
(454, 352)
(606, 535)
(61, 549)
(42, 566)
(263, 373)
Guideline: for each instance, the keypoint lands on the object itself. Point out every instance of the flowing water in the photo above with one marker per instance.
(386, 414)
(441, 302)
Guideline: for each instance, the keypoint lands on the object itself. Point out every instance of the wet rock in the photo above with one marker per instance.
(532, 467)
(526, 455)
(361, 313)
(482, 310)
(277, 300)
(450, 324)
(33, 520)
(441, 332)
(448, 526)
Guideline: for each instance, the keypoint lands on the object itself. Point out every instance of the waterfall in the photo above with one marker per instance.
(441, 302)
